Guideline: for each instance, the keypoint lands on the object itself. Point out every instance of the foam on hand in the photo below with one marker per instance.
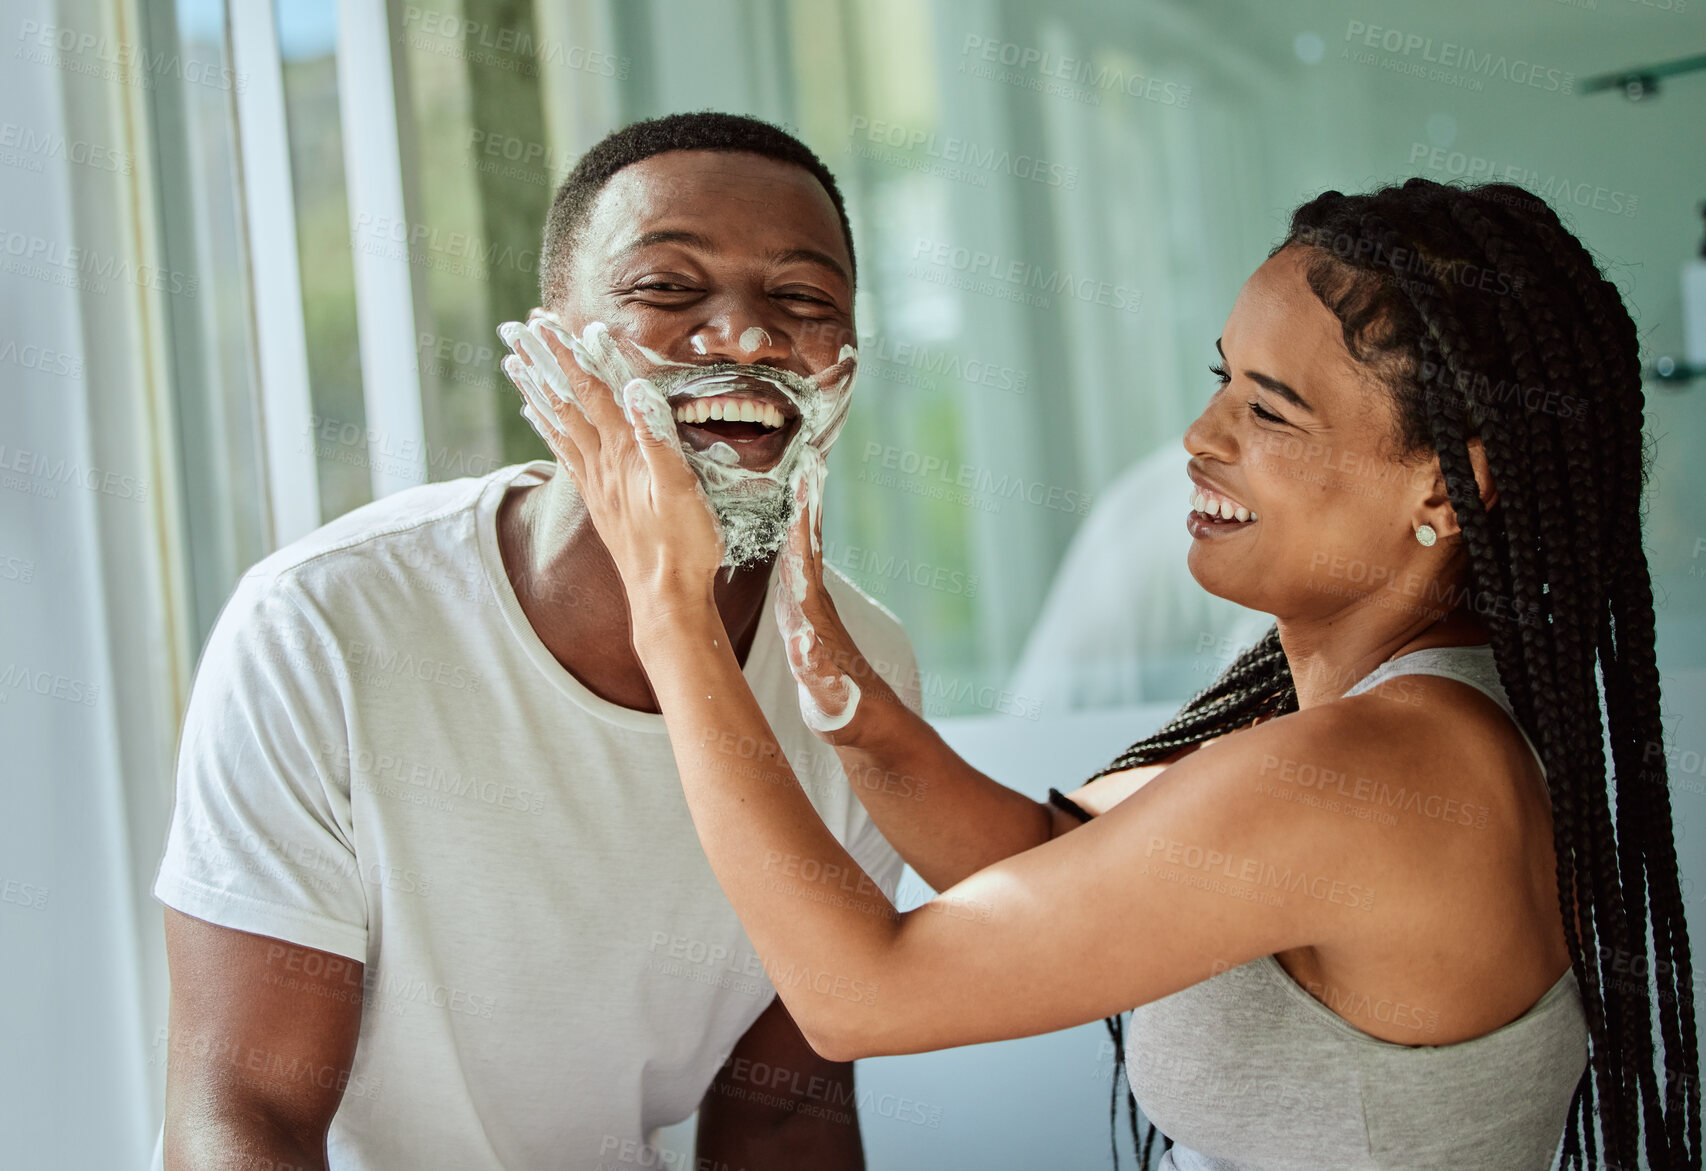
(642, 401)
(536, 403)
(829, 697)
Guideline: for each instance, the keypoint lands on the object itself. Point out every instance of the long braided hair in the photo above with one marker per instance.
(1487, 318)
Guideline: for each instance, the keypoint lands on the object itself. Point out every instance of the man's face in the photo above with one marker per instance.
(725, 275)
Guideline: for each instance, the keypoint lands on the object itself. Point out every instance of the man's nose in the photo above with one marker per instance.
(743, 336)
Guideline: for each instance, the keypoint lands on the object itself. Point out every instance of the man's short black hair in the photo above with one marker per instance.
(703, 130)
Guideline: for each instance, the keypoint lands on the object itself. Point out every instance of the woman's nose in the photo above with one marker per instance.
(1211, 435)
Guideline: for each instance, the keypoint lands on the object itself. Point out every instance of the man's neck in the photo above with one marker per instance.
(573, 597)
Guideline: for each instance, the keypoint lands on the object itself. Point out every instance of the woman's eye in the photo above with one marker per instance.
(1223, 376)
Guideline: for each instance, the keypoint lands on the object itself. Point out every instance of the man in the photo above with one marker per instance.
(434, 898)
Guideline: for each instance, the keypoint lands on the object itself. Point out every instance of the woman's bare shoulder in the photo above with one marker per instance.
(1102, 794)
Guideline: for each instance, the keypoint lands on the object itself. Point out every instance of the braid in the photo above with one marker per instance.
(1257, 684)
(1643, 799)
(1560, 650)
(1557, 573)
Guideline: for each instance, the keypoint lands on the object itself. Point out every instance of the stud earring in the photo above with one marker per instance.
(1425, 534)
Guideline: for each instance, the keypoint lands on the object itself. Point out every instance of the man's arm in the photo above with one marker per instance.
(262, 1038)
(777, 1106)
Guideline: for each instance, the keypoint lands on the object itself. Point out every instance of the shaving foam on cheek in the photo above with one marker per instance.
(753, 337)
(835, 389)
(828, 698)
(596, 352)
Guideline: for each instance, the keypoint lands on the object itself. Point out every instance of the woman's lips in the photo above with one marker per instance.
(1217, 505)
(1214, 514)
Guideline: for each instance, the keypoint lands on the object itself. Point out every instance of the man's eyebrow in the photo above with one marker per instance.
(694, 240)
(811, 256)
(691, 239)
(1272, 384)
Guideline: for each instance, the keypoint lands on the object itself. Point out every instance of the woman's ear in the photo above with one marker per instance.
(1436, 509)
(1483, 473)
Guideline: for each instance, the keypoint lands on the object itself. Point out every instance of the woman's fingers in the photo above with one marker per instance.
(807, 484)
(585, 408)
(546, 413)
(619, 442)
(534, 399)
(622, 426)
(828, 694)
(598, 399)
(647, 413)
(537, 354)
(666, 467)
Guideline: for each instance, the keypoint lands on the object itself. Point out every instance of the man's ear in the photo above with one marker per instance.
(1436, 510)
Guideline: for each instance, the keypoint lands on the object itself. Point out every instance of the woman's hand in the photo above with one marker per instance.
(626, 461)
(839, 692)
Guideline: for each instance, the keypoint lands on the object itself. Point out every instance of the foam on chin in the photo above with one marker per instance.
(753, 508)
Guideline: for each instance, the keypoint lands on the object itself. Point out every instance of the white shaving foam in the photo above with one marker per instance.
(828, 697)
(753, 507)
(641, 400)
(752, 338)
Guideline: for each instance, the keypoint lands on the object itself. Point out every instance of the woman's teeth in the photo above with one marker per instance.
(729, 409)
(1218, 507)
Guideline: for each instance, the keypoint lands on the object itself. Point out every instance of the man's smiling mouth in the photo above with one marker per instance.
(755, 419)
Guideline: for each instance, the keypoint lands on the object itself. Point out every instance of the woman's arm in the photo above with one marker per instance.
(964, 820)
(1192, 873)
(1183, 879)
(944, 817)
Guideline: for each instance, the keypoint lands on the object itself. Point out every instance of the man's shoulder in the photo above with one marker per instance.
(375, 563)
(412, 525)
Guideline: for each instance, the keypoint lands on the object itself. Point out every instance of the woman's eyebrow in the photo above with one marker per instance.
(1267, 382)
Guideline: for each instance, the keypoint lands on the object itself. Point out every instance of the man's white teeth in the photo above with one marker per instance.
(729, 409)
(1210, 504)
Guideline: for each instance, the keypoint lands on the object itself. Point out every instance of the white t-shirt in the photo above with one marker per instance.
(382, 760)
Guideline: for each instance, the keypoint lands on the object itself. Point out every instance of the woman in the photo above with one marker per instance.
(1366, 892)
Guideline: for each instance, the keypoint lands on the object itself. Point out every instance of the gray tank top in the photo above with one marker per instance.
(1247, 1070)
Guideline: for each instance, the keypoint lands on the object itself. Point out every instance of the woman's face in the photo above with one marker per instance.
(1302, 437)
